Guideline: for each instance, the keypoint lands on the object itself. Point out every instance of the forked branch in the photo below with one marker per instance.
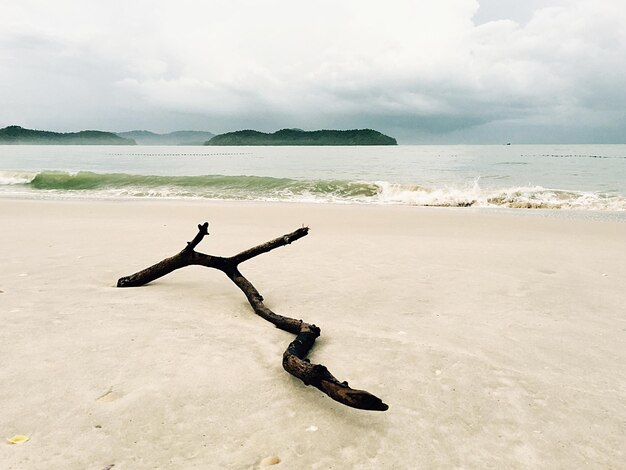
(294, 358)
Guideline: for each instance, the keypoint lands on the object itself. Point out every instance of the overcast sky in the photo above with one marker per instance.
(445, 71)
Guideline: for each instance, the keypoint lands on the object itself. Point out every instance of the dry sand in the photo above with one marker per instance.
(497, 340)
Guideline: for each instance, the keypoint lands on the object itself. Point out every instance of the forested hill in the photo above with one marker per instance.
(19, 135)
(300, 137)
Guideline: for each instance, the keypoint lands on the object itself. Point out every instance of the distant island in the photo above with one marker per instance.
(300, 137)
(18, 135)
(172, 138)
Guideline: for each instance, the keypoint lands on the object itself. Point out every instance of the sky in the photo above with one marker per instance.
(445, 71)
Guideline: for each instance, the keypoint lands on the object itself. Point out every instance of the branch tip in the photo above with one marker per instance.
(203, 229)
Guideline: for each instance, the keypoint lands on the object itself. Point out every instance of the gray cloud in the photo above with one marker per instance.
(456, 70)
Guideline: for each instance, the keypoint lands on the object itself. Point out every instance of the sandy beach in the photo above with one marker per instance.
(496, 339)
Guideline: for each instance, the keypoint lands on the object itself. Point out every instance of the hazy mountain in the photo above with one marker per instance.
(173, 138)
(300, 137)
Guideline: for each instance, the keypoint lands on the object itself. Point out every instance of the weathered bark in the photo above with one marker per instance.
(294, 358)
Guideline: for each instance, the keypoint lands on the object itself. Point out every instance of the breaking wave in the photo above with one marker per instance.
(261, 188)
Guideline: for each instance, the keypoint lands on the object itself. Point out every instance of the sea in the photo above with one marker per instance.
(567, 178)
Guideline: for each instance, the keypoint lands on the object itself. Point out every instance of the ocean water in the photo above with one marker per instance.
(557, 177)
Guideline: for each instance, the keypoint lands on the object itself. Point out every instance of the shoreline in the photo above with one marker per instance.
(567, 213)
(495, 339)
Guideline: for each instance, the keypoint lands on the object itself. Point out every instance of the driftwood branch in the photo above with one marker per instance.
(294, 358)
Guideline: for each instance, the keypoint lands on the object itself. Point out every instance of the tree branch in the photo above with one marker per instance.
(268, 246)
(294, 358)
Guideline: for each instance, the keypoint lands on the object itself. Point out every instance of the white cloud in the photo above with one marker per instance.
(400, 64)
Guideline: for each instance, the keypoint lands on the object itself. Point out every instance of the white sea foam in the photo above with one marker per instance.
(523, 197)
(422, 196)
(9, 178)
